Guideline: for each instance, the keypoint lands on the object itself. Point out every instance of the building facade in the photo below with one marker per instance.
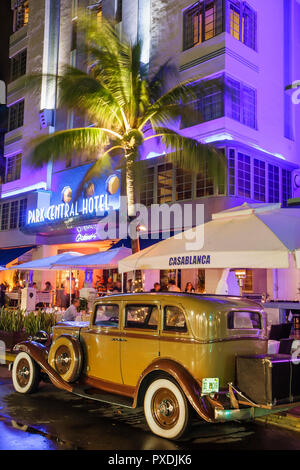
(242, 55)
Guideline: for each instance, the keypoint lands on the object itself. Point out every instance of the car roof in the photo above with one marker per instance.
(229, 301)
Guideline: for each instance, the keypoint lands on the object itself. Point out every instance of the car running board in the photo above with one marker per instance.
(97, 395)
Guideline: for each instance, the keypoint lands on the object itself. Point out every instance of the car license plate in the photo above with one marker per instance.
(210, 385)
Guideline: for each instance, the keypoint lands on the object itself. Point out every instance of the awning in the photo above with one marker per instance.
(248, 236)
(101, 260)
(10, 254)
(47, 263)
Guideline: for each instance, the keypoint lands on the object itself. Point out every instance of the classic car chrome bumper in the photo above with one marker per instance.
(244, 413)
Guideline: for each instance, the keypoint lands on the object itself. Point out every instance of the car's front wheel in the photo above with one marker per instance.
(166, 409)
(25, 374)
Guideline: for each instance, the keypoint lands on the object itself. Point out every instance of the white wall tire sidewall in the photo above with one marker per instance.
(176, 431)
(18, 388)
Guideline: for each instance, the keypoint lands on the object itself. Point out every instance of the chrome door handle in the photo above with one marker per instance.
(118, 339)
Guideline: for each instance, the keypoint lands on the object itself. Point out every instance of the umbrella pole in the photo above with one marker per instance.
(122, 283)
(70, 275)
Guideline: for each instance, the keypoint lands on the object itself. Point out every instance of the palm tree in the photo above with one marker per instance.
(127, 108)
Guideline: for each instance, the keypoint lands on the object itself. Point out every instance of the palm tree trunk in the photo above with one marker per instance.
(130, 193)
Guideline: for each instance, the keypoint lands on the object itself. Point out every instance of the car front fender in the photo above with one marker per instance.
(39, 353)
(188, 384)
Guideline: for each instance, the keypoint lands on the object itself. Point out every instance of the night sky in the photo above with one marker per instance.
(5, 31)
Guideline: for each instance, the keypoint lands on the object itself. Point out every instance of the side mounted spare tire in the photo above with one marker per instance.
(65, 356)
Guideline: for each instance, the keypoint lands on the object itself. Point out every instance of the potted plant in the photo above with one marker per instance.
(11, 327)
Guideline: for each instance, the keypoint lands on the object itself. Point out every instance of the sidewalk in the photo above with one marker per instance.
(288, 419)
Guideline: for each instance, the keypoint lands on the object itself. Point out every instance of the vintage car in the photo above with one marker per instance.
(171, 353)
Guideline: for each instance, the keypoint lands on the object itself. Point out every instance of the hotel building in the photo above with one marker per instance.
(242, 54)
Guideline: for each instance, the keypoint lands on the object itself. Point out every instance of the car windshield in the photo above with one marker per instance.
(107, 315)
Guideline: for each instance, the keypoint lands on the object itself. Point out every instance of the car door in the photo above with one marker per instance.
(140, 339)
(101, 343)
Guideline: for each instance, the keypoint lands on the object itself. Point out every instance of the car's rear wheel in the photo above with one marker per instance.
(25, 374)
(166, 409)
(65, 356)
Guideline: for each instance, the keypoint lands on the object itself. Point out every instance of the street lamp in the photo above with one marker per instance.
(240, 274)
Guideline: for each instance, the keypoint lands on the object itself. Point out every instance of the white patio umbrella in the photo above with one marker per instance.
(101, 260)
(44, 264)
(248, 236)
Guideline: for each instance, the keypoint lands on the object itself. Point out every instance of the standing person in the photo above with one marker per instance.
(67, 289)
(2, 295)
(156, 287)
(189, 288)
(172, 286)
(71, 312)
(117, 287)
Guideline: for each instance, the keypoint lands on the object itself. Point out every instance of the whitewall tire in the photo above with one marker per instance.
(166, 409)
(25, 374)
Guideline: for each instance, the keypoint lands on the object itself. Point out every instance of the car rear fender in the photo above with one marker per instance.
(188, 384)
(39, 352)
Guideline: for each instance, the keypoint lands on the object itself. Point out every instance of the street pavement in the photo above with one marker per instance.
(52, 419)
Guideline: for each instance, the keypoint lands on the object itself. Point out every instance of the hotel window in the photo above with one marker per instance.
(231, 172)
(243, 23)
(22, 212)
(5, 216)
(202, 21)
(13, 168)
(21, 14)
(221, 96)
(14, 213)
(244, 175)
(259, 172)
(183, 184)
(164, 183)
(119, 11)
(15, 115)
(240, 102)
(273, 181)
(286, 186)
(147, 188)
(204, 183)
(18, 65)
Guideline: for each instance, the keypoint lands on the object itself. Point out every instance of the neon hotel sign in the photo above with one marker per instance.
(87, 206)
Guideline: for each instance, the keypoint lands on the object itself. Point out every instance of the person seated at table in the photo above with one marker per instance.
(48, 286)
(72, 312)
(117, 287)
(156, 287)
(189, 287)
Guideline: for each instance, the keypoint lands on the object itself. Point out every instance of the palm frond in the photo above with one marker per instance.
(57, 146)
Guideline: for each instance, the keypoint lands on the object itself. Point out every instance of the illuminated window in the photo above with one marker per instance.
(164, 183)
(21, 14)
(234, 22)
(248, 281)
(13, 168)
(243, 23)
(202, 21)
